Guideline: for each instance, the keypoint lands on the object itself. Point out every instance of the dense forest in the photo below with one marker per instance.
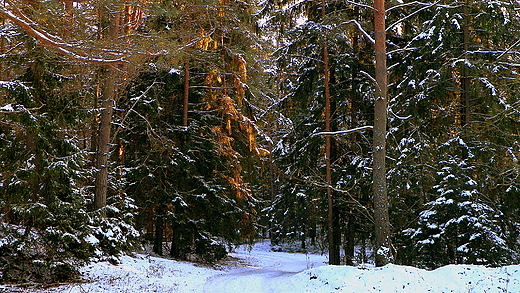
(381, 131)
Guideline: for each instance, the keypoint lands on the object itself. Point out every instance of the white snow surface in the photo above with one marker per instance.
(260, 270)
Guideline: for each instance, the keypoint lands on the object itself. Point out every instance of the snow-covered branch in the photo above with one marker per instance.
(344, 131)
(399, 117)
(360, 5)
(508, 49)
(14, 109)
(418, 3)
(427, 5)
(358, 25)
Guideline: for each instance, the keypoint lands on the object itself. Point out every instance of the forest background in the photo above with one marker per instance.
(193, 126)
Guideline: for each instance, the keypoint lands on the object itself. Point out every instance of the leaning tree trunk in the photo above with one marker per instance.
(383, 247)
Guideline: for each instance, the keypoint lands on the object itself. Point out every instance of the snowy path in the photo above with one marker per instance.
(265, 271)
(250, 280)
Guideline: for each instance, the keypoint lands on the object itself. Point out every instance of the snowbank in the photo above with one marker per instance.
(393, 278)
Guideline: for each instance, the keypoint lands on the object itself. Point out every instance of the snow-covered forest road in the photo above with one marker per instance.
(251, 280)
(262, 271)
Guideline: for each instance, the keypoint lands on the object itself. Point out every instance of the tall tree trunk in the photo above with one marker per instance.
(108, 100)
(354, 105)
(383, 246)
(272, 176)
(332, 220)
(175, 247)
(108, 95)
(68, 6)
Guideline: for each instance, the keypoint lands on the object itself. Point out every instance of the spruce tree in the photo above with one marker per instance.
(459, 225)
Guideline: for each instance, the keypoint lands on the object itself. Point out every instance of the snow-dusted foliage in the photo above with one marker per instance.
(300, 206)
(459, 225)
(47, 222)
(451, 88)
(187, 180)
(112, 228)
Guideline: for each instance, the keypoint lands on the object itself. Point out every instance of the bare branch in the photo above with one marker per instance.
(50, 40)
(137, 99)
(4, 55)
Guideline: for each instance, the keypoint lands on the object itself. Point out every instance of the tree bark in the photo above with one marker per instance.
(383, 246)
(159, 229)
(186, 100)
(354, 106)
(465, 109)
(350, 239)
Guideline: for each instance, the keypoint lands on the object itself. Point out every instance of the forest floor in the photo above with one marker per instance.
(258, 269)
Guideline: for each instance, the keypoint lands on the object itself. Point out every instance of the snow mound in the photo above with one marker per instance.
(394, 278)
(140, 273)
(260, 270)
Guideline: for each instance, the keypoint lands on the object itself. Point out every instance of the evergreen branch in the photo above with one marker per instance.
(305, 57)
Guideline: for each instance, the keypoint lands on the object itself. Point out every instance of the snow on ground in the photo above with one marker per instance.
(260, 270)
